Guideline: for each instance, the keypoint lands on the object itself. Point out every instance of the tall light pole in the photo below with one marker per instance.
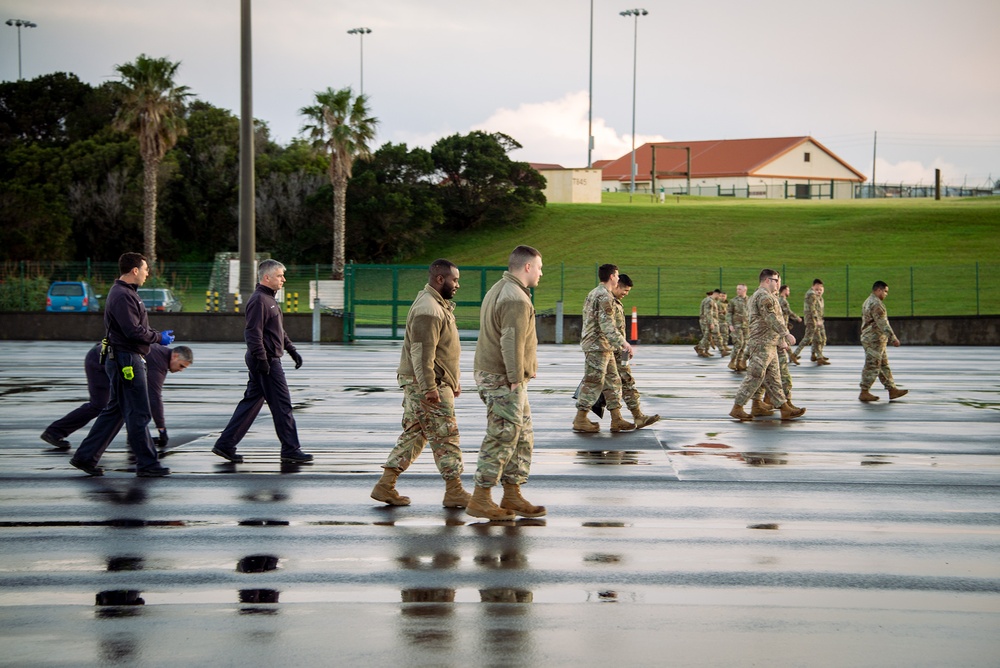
(635, 53)
(247, 192)
(20, 23)
(361, 32)
(590, 94)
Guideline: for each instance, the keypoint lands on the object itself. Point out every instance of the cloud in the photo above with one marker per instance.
(913, 172)
(554, 131)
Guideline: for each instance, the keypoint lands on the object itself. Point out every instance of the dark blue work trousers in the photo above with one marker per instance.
(99, 388)
(272, 388)
(129, 405)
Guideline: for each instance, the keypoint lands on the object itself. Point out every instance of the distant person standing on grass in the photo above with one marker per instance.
(130, 337)
(266, 342)
(875, 334)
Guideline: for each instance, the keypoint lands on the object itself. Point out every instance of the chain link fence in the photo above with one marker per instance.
(381, 294)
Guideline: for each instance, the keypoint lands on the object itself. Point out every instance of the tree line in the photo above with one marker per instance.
(84, 173)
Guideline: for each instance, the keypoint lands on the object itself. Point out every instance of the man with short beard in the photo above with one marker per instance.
(429, 375)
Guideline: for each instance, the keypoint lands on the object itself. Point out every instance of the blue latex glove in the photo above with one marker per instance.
(166, 337)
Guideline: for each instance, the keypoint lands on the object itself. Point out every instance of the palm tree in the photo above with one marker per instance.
(151, 109)
(340, 126)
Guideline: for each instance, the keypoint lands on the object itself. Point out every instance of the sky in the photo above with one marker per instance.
(920, 74)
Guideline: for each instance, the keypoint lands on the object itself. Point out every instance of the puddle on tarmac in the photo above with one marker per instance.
(610, 457)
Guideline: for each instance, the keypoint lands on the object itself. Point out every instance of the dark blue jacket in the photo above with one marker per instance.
(157, 368)
(125, 319)
(265, 330)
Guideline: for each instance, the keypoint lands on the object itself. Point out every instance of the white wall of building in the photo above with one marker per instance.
(572, 186)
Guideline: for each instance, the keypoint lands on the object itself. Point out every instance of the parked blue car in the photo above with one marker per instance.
(72, 297)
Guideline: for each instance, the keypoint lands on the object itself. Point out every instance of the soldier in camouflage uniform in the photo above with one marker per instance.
(875, 334)
(600, 339)
(628, 389)
(706, 319)
(505, 361)
(721, 331)
(784, 353)
(767, 332)
(815, 329)
(736, 322)
(429, 375)
(789, 314)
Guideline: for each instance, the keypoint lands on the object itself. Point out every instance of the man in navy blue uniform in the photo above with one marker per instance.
(130, 336)
(159, 361)
(266, 343)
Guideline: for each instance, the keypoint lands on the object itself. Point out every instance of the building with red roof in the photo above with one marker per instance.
(775, 168)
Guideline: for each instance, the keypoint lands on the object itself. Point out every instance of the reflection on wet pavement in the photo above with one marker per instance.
(257, 563)
(619, 457)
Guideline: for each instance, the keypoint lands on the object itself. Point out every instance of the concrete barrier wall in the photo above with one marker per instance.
(44, 326)
(916, 331)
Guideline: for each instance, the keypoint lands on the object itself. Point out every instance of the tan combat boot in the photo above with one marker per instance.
(896, 393)
(481, 505)
(740, 414)
(643, 420)
(760, 409)
(514, 502)
(385, 489)
(867, 396)
(742, 365)
(790, 412)
(618, 423)
(822, 361)
(793, 358)
(454, 495)
(582, 424)
(733, 363)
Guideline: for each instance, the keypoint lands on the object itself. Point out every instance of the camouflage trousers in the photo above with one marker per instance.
(815, 335)
(626, 390)
(505, 455)
(600, 371)
(876, 364)
(762, 370)
(720, 337)
(706, 335)
(423, 423)
(783, 372)
(740, 335)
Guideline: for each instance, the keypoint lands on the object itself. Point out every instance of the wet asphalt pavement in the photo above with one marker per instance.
(862, 535)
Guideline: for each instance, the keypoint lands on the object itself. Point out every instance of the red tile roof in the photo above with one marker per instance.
(545, 165)
(711, 159)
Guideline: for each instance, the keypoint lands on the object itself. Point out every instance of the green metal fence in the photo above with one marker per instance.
(378, 296)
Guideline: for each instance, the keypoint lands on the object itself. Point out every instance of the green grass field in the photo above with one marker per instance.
(927, 250)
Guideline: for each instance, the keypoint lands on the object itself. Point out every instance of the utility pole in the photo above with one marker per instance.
(248, 224)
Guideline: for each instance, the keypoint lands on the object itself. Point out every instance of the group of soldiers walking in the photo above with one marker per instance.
(758, 327)
(429, 375)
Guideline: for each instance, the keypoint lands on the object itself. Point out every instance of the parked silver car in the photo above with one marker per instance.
(159, 300)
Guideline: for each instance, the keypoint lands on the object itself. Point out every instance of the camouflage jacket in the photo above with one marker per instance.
(767, 327)
(875, 321)
(736, 314)
(431, 346)
(600, 332)
(812, 307)
(707, 313)
(786, 310)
